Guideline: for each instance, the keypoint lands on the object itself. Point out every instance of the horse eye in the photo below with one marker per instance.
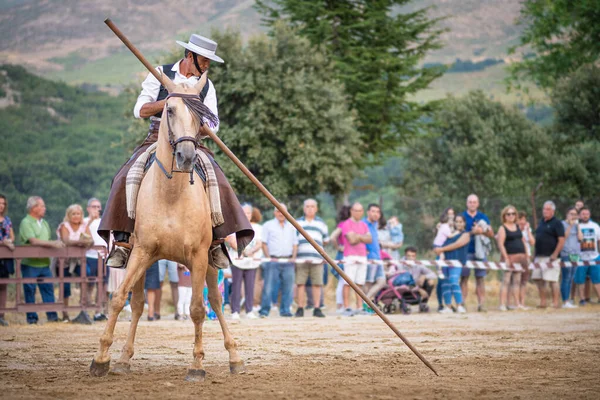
(170, 110)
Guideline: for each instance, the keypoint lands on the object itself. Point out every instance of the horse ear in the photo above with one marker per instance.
(200, 85)
(168, 83)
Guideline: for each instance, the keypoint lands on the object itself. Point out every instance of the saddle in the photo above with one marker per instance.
(203, 168)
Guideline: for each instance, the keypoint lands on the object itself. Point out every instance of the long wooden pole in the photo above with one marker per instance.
(278, 205)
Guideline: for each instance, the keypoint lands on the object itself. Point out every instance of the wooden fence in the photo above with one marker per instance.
(61, 255)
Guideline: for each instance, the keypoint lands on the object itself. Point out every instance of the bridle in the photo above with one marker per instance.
(174, 142)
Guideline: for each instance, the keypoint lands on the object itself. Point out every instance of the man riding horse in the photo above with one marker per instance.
(199, 52)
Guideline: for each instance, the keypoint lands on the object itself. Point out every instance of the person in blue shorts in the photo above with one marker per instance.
(589, 252)
(472, 218)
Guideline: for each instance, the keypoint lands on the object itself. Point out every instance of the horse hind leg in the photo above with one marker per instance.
(236, 365)
(196, 372)
(122, 366)
(136, 268)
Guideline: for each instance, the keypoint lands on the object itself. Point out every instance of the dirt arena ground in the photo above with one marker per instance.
(536, 354)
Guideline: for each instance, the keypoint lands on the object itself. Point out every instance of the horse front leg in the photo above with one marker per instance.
(236, 365)
(123, 365)
(196, 372)
(136, 268)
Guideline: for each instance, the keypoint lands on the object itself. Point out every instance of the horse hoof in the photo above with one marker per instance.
(195, 375)
(99, 369)
(237, 367)
(121, 369)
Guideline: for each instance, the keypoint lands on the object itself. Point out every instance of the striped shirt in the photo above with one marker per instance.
(317, 229)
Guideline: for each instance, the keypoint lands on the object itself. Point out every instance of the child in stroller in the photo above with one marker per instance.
(401, 292)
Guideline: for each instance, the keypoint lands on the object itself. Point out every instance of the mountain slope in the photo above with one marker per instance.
(68, 40)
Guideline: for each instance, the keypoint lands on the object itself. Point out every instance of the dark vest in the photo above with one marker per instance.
(163, 92)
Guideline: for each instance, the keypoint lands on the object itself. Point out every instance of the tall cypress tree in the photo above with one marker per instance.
(377, 52)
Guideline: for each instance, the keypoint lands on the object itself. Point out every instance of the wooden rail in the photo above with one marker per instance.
(62, 255)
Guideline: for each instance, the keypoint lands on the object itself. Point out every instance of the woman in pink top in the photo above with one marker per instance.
(73, 231)
(353, 234)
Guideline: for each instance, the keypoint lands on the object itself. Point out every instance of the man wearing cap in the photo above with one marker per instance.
(199, 52)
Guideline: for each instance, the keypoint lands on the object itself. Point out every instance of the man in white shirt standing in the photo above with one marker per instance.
(309, 262)
(280, 244)
(199, 52)
(589, 252)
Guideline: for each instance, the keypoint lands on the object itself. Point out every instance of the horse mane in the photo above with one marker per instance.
(200, 111)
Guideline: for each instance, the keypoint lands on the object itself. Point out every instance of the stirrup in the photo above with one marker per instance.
(217, 258)
(119, 254)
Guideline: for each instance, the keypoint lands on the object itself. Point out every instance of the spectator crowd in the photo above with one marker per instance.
(280, 271)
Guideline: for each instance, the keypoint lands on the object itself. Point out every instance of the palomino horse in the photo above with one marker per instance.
(172, 222)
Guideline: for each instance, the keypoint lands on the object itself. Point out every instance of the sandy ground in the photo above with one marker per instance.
(517, 355)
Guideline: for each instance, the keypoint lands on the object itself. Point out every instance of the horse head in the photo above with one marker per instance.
(184, 114)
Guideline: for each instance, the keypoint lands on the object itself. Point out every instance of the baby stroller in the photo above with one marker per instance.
(400, 294)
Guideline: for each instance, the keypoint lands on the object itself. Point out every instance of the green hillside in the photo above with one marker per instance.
(102, 72)
(490, 80)
(59, 142)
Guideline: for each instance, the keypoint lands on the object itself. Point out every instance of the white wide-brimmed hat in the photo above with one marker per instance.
(202, 46)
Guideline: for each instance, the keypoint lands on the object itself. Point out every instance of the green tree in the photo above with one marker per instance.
(283, 114)
(377, 52)
(478, 146)
(563, 35)
(57, 142)
(576, 101)
(576, 132)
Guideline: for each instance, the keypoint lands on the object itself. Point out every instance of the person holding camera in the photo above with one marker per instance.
(570, 253)
(94, 212)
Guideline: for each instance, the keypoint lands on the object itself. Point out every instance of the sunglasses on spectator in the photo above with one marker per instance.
(511, 213)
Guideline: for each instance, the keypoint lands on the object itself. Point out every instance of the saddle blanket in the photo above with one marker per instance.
(206, 172)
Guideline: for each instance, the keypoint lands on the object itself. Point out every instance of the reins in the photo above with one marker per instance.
(174, 142)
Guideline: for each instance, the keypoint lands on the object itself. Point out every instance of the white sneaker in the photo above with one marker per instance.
(568, 304)
(127, 308)
(446, 310)
(348, 312)
(274, 307)
(251, 315)
(460, 309)
(235, 316)
(256, 309)
(522, 307)
(502, 308)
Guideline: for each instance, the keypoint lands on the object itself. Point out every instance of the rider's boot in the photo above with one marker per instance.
(120, 252)
(217, 255)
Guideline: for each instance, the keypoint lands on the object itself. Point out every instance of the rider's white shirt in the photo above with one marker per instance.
(151, 87)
